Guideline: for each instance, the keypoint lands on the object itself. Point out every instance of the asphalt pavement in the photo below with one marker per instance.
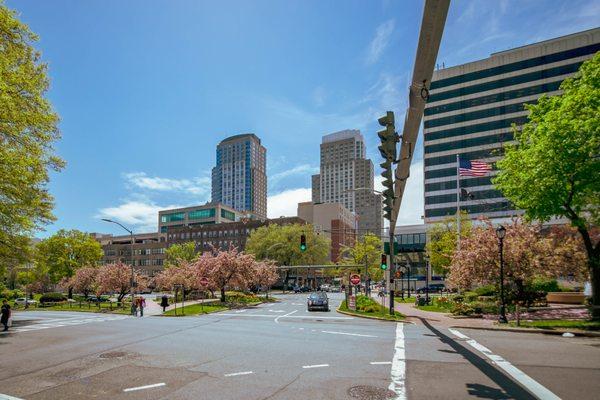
(281, 351)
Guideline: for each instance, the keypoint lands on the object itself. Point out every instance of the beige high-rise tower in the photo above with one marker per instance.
(343, 169)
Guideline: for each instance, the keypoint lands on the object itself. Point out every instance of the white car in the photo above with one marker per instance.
(21, 301)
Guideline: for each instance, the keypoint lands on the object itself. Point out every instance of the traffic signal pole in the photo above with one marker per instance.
(392, 269)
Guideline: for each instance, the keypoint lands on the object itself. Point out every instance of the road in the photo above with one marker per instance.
(281, 351)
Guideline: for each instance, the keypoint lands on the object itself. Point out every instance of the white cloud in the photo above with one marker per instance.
(196, 186)
(380, 41)
(304, 169)
(286, 203)
(142, 215)
(411, 208)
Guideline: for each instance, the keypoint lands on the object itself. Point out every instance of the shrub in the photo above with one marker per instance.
(486, 290)
(543, 285)
(8, 294)
(483, 307)
(372, 308)
(470, 296)
(52, 298)
(462, 309)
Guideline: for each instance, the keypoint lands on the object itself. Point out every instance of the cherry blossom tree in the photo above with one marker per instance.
(117, 278)
(227, 269)
(527, 254)
(84, 280)
(264, 274)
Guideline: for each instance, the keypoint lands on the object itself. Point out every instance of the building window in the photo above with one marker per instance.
(172, 217)
(201, 214)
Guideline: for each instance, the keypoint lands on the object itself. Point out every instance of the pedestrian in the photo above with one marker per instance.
(5, 315)
(133, 307)
(164, 302)
(141, 305)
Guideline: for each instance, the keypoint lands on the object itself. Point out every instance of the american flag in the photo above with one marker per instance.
(473, 168)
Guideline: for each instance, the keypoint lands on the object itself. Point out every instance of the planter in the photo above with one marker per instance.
(566, 297)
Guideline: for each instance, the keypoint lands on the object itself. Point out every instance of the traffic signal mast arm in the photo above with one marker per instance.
(432, 27)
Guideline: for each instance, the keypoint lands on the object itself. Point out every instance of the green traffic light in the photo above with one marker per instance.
(383, 267)
(302, 247)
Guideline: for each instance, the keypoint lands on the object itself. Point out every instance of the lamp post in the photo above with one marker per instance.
(500, 233)
(132, 241)
(426, 279)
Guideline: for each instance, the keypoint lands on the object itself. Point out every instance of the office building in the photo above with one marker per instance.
(346, 177)
(148, 250)
(207, 214)
(239, 178)
(470, 112)
(332, 220)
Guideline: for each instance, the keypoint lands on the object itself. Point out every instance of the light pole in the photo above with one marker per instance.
(132, 241)
(500, 233)
(426, 279)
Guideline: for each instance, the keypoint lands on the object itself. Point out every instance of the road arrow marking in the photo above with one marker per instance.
(144, 387)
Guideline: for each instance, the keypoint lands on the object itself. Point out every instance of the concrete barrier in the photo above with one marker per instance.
(566, 297)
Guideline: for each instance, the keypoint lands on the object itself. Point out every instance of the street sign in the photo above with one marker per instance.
(204, 281)
(355, 279)
(352, 303)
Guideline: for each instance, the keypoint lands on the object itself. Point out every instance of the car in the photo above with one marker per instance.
(433, 288)
(317, 301)
(96, 299)
(326, 287)
(21, 301)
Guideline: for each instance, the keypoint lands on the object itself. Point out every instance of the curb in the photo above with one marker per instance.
(372, 317)
(533, 330)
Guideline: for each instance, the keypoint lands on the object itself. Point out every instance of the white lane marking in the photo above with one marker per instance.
(297, 304)
(380, 362)
(286, 315)
(281, 316)
(240, 311)
(315, 366)
(239, 373)
(529, 383)
(277, 311)
(58, 323)
(349, 334)
(301, 329)
(399, 365)
(144, 387)
(7, 397)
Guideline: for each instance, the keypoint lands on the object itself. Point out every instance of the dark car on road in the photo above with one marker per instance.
(318, 301)
(301, 289)
(433, 288)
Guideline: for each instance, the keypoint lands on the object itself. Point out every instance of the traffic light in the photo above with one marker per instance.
(389, 138)
(302, 242)
(383, 262)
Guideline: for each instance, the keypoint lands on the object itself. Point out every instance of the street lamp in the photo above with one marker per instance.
(131, 234)
(500, 233)
(426, 279)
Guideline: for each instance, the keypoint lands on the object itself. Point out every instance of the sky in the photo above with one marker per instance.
(146, 89)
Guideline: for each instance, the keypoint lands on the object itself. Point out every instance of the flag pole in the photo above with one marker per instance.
(458, 201)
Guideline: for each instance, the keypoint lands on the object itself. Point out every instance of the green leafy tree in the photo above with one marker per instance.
(441, 242)
(66, 251)
(554, 167)
(281, 243)
(28, 128)
(367, 251)
(178, 253)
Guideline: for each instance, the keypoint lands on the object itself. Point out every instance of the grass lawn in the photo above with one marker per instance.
(434, 308)
(384, 313)
(584, 325)
(196, 309)
(83, 307)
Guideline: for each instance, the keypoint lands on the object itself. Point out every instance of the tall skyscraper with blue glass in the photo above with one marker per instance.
(470, 113)
(239, 179)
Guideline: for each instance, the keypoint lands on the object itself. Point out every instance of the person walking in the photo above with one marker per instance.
(5, 315)
(141, 305)
(134, 307)
(164, 302)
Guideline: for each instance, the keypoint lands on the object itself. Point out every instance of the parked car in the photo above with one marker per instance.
(96, 299)
(433, 288)
(21, 301)
(326, 287)
(317, 301)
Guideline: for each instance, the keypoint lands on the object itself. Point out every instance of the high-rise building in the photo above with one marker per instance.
(239, 179)
(344, 168)
(470, 112)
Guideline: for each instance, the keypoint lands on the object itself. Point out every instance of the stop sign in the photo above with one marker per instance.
(355, 279)
(204, 281)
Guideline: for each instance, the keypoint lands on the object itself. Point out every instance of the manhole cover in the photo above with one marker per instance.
(113, 354)
(365, 392)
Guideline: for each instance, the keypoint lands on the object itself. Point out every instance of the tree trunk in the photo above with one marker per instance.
(222, 295)
(594, 266)
(70, 296)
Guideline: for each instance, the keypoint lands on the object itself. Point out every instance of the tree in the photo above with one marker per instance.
(264, 275)
(117, 278)
(84, 280)
(184, 273)
(178, 253)
(441, 243)
(227, 269)
(554, 167)
(281, 243)
(66, 251)
(368, 251)
(527, 254)
(28, 129)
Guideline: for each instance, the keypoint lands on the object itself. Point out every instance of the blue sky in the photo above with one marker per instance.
(146, 89)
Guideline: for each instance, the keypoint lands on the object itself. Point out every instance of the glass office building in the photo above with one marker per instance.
(470, 112)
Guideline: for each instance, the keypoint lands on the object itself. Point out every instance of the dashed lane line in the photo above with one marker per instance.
(154, 385)
(239, 373)
(315, 366)
(529, 383)
(380, 362)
